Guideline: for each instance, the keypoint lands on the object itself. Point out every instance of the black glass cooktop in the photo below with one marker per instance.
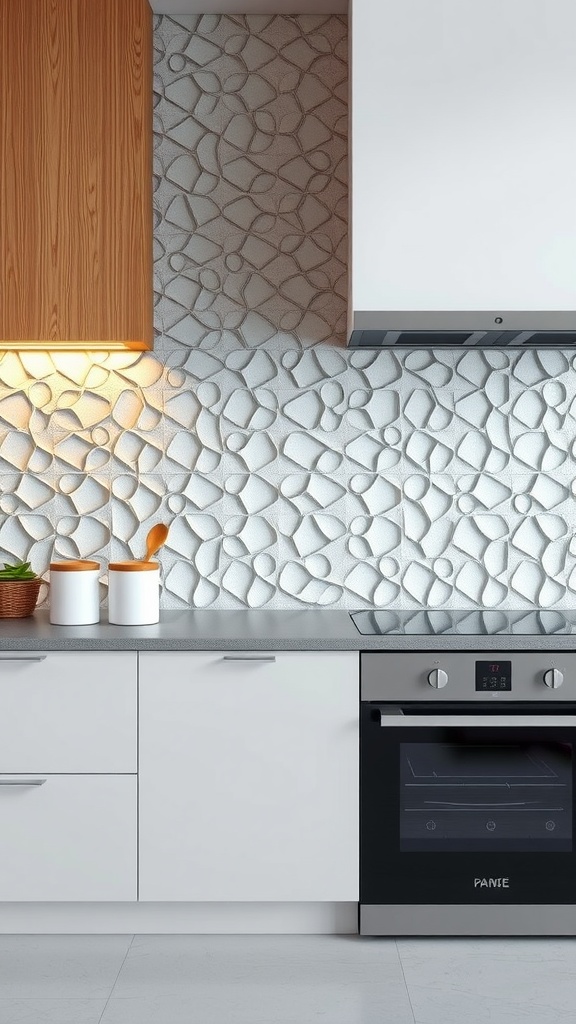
(432, 622)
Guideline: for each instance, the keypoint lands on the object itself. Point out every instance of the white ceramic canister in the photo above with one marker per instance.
(74, 593)
(133, 593)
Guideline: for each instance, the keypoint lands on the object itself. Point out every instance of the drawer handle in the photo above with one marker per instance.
(251, 657)
(23, 657)
(22, 782)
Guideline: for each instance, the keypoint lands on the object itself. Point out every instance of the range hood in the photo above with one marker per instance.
(462, 194)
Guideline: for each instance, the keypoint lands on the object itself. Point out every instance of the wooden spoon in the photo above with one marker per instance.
(155, 539)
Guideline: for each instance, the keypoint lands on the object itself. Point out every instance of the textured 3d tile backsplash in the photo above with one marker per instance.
(292, 471)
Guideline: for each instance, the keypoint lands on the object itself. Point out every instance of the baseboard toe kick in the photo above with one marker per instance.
(473, 920)
(179, 918)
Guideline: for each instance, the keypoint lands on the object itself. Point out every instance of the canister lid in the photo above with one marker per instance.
(133, 566)
(81, 565)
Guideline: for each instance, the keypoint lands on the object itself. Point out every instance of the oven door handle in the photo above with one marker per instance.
(394, 718)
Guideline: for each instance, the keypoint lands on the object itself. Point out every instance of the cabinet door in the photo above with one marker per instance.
(76, 174)
(67, 837)
(249, 776)
(68, 712)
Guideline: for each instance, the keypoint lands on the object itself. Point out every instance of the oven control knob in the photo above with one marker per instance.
(438, 678)
(554, 678)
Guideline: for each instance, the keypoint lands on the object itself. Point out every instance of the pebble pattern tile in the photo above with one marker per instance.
(292, 471)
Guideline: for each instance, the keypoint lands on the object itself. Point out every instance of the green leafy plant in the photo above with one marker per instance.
(19, 571)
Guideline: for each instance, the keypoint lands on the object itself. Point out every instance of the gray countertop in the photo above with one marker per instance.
(301, 630)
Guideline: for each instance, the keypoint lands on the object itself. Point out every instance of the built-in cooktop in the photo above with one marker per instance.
(432, 622)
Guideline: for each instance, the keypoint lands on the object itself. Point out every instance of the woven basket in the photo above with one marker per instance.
(18, 598)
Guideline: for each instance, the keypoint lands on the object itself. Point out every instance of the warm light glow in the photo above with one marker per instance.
(73, 380)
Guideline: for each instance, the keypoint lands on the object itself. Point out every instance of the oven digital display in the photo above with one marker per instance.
(493, 675)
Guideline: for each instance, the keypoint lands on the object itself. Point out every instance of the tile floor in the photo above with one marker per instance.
(218, 979)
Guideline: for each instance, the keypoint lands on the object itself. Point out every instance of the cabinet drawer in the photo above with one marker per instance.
(67, 837)
(69, 712)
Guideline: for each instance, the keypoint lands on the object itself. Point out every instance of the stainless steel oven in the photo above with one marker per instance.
(467, 793)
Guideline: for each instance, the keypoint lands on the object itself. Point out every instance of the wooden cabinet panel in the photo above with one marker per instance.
(248, 777)
(76, 173)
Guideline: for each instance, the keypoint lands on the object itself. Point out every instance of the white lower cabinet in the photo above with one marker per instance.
(249, 776)
(67, 837)
(68, 784)
(68, 711)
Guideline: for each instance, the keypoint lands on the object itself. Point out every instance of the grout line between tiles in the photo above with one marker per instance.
(101, 1017)
(405, 982)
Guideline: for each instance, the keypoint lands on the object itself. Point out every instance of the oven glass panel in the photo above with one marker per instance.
(486, 797)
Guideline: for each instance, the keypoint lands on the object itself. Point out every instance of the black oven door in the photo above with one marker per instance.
(463, 806)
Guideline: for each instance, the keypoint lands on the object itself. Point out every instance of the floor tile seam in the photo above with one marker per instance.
(110, 994)
(405, 982)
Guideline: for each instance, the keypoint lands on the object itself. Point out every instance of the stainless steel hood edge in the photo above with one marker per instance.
(475, 329)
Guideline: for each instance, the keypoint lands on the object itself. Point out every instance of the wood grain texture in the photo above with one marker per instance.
(76, 173)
